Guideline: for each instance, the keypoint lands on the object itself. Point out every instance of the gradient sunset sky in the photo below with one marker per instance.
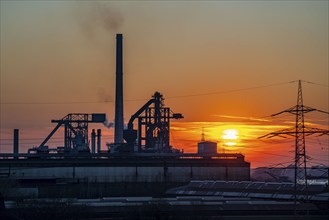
(222, 64)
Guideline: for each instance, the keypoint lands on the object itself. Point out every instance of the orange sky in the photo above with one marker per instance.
(260, 152)
(185, 135)
(221, 64)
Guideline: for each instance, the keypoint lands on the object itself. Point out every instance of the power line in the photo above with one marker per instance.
(322, 160)
(273, 165)
(230, 91)
(276, 165)
(317, 164)
(318, 84)
(133, 100)
(252, 150)
(53, 138)
(170, 97)
(263, 152)
(66, 103)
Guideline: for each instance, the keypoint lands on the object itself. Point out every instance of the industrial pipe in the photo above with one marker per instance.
(98, 141)
(16, 144)
(93, 141)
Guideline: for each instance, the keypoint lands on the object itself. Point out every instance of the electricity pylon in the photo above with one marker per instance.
(299, 132)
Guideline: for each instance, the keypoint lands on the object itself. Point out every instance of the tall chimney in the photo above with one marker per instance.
(118, 125)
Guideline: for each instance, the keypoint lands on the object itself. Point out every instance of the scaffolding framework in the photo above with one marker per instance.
(75, 132)
(153, 127)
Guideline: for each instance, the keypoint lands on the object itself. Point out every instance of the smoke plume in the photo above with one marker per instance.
(96, 16)
(104, 96)
(109, 124)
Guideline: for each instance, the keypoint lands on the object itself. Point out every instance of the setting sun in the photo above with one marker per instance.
(229, 136)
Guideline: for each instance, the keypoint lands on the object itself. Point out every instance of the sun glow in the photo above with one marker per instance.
(230, 135)
(230, 143)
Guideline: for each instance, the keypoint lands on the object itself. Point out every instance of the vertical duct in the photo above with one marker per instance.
(98, 141)
(16, 136)
(93, 141)
(118, 125)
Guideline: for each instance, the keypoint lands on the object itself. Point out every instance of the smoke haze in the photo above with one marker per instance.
(104, 96)
(96, 16)
(109, 124)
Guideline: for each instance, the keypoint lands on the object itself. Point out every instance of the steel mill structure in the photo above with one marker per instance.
(140, 161)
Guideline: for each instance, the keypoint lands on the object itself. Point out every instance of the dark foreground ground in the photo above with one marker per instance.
(161, 208)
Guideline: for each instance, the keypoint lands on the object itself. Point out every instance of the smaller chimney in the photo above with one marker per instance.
(93, 141)
(98, 141)
(16, 144)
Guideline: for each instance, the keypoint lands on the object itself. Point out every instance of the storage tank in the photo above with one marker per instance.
(207, 147)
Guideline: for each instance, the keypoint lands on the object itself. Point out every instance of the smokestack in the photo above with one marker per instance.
(118, 125)
(98, 141)
(16, 134)
(93, 141)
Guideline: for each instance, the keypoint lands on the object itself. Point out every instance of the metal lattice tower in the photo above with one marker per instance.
(299, 132)
(300, 151)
